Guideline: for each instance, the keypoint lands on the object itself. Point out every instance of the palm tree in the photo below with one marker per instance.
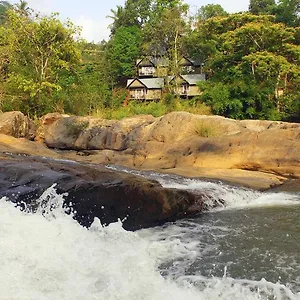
(23, 8)
(117, 16)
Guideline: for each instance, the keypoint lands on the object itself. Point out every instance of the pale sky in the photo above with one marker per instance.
(91, 14)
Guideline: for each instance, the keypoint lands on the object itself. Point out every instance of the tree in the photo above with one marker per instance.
(258, 7)
(163, 35)
(122, 51)
(4, 7)
(288, 12)
(38, 50)
(256, 62)
(134, 13)
(209, 11)
(23, 8)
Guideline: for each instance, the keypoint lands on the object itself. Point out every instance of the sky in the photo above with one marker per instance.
(91, 14)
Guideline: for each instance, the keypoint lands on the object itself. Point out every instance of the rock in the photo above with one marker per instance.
(24, 147)
(177, 126)
(85, 133)
(45, 122)
(95, 192)
(192, 145)
(17, 125)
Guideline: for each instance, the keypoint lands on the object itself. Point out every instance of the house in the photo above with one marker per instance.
(152, 67)
(158, 66)
(186, 85)
(153, 79)
(190, 66)
(146, 89)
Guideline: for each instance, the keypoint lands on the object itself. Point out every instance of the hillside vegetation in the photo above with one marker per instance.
(251, 59)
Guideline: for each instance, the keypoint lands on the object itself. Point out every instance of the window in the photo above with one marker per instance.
(147, 71)
(185, 88)
(139, 93)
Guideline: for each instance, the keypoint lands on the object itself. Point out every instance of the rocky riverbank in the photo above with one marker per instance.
(71, 151)
(252, 153)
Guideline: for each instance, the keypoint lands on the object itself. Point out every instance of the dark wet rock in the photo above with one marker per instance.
(94, 191)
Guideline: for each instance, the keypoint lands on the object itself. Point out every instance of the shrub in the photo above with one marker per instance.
(204, 128)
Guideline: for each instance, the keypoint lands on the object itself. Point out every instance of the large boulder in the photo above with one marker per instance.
(17, 125)
(93, 191)
(87, 133)
(45, 122)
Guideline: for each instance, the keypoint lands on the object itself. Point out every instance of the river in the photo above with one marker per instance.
(247, 249)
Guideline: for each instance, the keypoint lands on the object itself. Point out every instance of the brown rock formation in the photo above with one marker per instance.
(191, 145)
(15, 124)
(254, 153)
(83, 133)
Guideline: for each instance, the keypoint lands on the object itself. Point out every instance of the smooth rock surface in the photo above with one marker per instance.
(93, 191)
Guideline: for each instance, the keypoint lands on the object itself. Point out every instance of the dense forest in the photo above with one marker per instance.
(251, 59)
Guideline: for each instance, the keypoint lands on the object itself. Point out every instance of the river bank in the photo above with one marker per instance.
(251, 153)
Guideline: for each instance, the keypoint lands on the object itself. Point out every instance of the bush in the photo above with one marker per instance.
(204, 128)
(155, 109)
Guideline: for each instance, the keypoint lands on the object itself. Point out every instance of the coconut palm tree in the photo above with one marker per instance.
(23, 8)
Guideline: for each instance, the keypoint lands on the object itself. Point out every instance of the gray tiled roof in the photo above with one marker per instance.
(193, 78)
(150, 83)
(164, 61)
(157, 83)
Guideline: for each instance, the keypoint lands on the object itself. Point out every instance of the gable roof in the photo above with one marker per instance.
(194, 63)
(193, 79)
(160, 61)
(145, 62)
(152, 61)
(149, 83)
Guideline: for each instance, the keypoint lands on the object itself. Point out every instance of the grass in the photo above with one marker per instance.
(155, 109)
(205, 129)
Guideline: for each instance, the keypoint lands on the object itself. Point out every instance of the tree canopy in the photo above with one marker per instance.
(251, 59)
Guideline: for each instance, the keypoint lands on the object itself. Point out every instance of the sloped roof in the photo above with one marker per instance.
(154, 61)
(160, 61)
(149, 83)
(194, 62)
(193, 79)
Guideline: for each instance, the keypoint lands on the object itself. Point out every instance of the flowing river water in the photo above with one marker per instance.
(248, 249)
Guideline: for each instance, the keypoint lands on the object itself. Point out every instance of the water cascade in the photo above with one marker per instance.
(247, 249)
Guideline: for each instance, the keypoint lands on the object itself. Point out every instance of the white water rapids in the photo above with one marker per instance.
(51, 257)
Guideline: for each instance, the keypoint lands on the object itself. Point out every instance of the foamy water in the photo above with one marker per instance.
(48, 255)
(218, 192)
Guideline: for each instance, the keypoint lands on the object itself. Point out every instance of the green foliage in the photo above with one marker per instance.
(38, 50)
(210, 11)
(122, 51)
(4, 7)
(258, 7)
(204, 128)
(253, 64)
(155, 109)
(252, 60)
(288, 12)
(163, 34)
